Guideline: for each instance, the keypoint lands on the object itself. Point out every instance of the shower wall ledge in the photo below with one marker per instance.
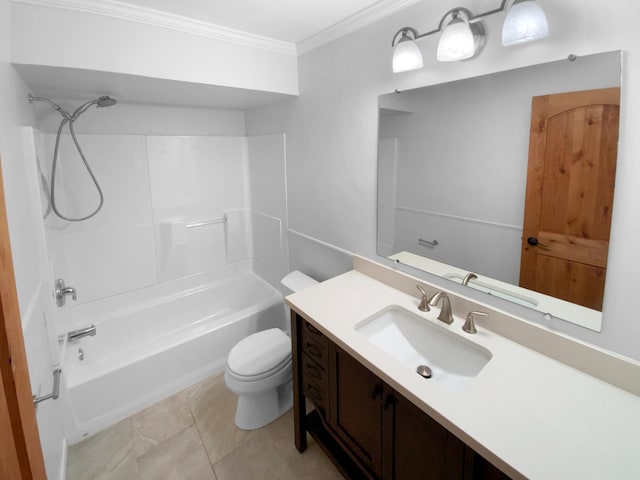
(80, 84)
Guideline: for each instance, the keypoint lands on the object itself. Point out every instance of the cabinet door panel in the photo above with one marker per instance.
(418, 446)
(355, 412)
(478, 468)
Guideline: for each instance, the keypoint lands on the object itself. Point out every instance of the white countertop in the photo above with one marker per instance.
(530, 415)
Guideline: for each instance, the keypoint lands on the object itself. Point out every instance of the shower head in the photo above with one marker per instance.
(106, 101)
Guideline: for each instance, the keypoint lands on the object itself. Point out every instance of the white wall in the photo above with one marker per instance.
(71, 39)
(332, 132)
(28, 247)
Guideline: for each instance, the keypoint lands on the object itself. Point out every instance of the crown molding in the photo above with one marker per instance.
(350, 24)
(156, 18)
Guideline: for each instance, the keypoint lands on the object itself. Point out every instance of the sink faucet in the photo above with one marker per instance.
(424, 303)
(468, 277)
(469, 325)
(81, 332)
(62, 291)
(445, 314)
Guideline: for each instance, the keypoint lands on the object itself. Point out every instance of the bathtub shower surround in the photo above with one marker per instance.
(197, 180)
(154, 187)
(166, 269)
(267, 185)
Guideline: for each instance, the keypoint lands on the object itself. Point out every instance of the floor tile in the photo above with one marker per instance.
(255, 459)
(181, 456)
(214, 407)
(162, 420)
(182, 436)
(109, 454)
(312, 464)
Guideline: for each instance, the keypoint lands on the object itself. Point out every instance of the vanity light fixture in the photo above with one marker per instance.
(462, 33)
(407, 54)
(460, 39)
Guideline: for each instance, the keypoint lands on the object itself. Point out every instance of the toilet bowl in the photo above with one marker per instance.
(259, 369)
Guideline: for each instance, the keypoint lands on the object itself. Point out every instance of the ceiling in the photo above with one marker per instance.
(286, 20)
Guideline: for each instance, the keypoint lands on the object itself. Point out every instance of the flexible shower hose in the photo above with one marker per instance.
(86, 164)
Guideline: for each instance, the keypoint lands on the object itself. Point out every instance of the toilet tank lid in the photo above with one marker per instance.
(296, 281)
(259, 353)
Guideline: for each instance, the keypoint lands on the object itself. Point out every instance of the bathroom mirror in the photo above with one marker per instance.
(452, 181)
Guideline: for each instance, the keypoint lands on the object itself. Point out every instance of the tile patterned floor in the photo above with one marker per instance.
(192, 435)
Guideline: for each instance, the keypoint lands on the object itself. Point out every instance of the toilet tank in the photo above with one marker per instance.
(292, 283)
(296, 281)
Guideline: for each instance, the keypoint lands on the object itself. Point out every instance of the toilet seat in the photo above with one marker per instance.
(260, 355)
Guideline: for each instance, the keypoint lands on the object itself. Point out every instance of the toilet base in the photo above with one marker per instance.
(257, 410)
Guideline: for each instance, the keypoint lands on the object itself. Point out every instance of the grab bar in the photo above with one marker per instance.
(56, 388)
(207, 222)
(427, 243)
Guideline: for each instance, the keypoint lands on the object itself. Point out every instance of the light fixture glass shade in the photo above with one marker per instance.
(456, 42)
(406, 56)
(525, 22)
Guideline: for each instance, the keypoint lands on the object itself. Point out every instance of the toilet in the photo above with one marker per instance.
(259, 369)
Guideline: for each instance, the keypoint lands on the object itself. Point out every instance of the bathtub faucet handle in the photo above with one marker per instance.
(62, 291)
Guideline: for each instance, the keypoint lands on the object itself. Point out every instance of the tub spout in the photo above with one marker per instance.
(81, 332)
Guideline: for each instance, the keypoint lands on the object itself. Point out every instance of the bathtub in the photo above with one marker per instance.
(154, 342)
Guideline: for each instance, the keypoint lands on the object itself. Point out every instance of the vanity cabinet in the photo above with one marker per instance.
(367, 428)
(356, 416)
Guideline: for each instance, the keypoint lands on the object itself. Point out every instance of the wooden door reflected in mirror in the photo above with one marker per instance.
(569, 198)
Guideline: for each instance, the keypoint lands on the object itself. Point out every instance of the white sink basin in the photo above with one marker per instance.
(415, 341)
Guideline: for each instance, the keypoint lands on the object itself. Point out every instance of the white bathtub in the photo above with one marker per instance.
(156, 341)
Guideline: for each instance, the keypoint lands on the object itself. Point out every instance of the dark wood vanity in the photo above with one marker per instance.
(367, 428)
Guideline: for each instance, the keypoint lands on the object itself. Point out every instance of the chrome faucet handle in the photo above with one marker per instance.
(469, 325)
(468, 277)
(424, 303)
(445, 314)
(70, 291)
(62, 291)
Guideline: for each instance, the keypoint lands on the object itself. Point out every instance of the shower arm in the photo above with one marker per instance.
(53, 105)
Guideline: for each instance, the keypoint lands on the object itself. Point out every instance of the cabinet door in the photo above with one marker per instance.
(478, 468)
(355, 408)
(415, 446)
